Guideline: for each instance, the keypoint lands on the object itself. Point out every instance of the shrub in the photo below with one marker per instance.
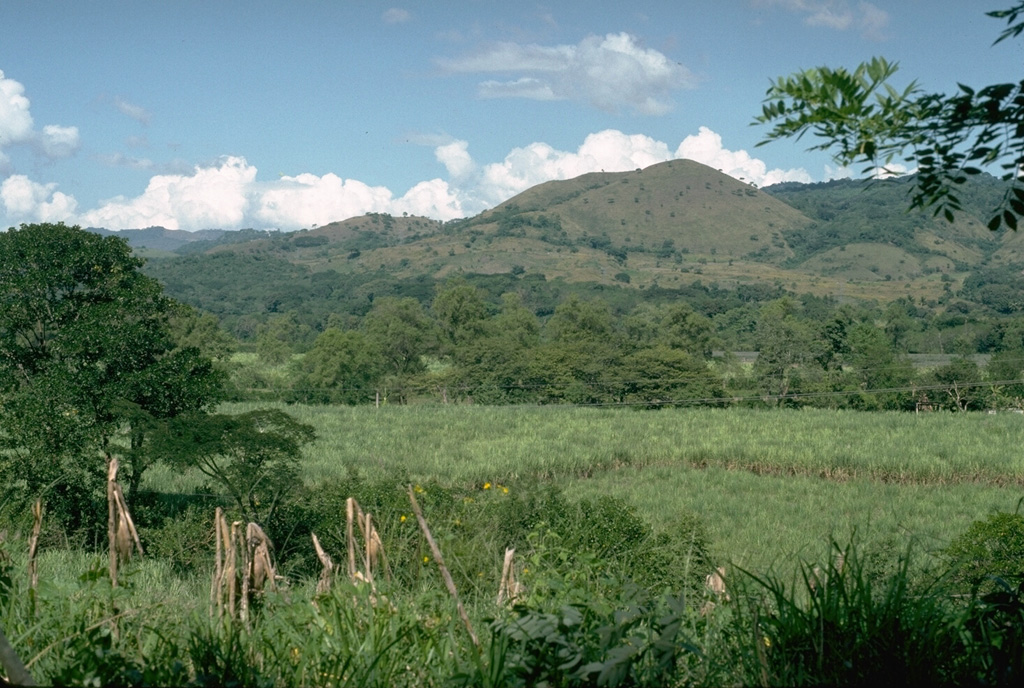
(993, 547)
(186, 541)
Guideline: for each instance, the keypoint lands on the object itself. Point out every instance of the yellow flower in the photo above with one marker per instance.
(402, 519)
(426, 559)
(487, 486)
(418, 489)
(504, 489)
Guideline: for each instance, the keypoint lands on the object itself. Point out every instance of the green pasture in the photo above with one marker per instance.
(772, 485)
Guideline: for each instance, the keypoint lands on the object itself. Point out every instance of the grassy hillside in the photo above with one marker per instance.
(668, 226)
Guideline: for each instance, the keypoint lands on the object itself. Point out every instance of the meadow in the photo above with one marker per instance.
(591, 498)
(772, 485)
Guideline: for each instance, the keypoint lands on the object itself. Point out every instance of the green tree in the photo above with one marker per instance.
(862, 118)
(663, 376)
(341, 368)
(88, 362)
(460, 312)
(882, 374)
(675, 325)
(960, 381)
(254, 456)
(1005, 372)
(201, 331)
(401, 333)
(494, 368)
(578, 364)
(282, 336)
(787, 345)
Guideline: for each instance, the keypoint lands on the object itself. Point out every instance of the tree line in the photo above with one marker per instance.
(462, 348)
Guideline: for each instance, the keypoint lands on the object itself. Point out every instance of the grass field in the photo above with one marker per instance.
(612, 563)
(772, 485)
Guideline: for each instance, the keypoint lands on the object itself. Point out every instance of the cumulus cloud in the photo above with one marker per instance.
(15, 118)
(607, 151)
(27, 201)
(706, 147)
(396, 15)
(307, 199)
(455, 158)
(226, 193)
(59, 142)
(839, 15)
(213, 196)
(611, 72)
(17, 127)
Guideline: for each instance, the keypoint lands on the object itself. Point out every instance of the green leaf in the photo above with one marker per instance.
(1010, 219)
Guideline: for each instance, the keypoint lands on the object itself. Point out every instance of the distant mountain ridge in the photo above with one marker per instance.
(161, 238)
(666, 226)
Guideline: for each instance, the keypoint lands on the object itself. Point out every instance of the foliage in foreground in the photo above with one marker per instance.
(862, 118)
(579, 622)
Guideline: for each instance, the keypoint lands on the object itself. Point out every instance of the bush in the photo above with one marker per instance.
(185, 541)
(989, 548)
(474, 526)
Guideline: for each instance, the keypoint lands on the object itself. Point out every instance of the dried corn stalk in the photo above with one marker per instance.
(371, 552)
(327, 574)
(260, 568)
(439, 560)
(121, 533)
(33, 544)
(244, 562)
(509, 590)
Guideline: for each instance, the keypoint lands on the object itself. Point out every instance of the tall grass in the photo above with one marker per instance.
(771, 490)
(469, 444)
(762, 521)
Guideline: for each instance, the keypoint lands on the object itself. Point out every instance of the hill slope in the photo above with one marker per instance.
(666, 226)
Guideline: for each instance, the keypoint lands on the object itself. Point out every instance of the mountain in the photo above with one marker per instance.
(160, 238)
(665, 227)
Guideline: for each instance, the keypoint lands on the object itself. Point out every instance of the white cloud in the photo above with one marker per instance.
(17, 127)
(605, 151)
(455, 158)
(839, 15)
(59, 142)
(873, 21)
(136, 112)
(227, 195)
(214, 196)
(887, 172)
(27, 201)
(706, 147)
(609, 150)
(306, 199)
(396, 15)
(609, 72)
(15, 118)
(432, 198)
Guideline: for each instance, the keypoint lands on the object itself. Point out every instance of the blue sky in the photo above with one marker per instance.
(227, 114)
